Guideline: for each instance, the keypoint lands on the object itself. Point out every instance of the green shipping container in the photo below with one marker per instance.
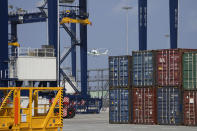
(190, 70)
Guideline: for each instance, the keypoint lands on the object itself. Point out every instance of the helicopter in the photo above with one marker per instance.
(98, 52)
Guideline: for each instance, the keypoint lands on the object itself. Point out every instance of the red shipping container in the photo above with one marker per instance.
(190, 108)
(144, 105)
(169, 66)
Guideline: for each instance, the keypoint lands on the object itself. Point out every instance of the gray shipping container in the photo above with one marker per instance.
(169, 106)
(120, 71)
(143, 68)
(120, 106)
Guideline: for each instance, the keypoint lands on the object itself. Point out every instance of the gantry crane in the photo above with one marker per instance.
(142, 19)
(56, 19)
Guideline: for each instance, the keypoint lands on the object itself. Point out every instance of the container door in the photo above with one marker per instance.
(169, 68)
(123, 71)
(113, 106)
(189, 71)
(143, 68)
(169, 106)
(124, 106)
(149, 106)
(190, 108)
(113, 71)
(163, 106)
(138, 105)
(148, 69)
(137, 69)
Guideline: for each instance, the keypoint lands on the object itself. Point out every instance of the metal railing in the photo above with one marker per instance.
(8, 74)
(13, 115)
(4, 74)
(35, 52)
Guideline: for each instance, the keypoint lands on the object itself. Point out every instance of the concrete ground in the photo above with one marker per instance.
(99, 122)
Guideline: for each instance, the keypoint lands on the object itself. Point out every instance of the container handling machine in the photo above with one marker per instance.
(27, 74)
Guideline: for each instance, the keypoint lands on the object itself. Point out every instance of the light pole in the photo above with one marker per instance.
(127, 8)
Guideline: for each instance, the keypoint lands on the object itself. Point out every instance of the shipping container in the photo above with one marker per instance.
(190, 108)
(190, 70)
(169, 106)
(144, 105)
(120, 106)
(143, 68)
(120, 71)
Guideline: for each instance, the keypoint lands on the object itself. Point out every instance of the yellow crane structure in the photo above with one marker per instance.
(80, 21)
(14, 44)
(17, 118)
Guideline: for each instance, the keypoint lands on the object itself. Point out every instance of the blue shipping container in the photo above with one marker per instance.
(119, 110)
(143, 68)
(119, 71)
(169, 106)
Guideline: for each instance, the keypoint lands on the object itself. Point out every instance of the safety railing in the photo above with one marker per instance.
(4, 74)
(8, 74)
(21, 113)
(33, 52)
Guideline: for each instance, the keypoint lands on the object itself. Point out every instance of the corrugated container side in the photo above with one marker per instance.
(113, 106)
(169, 67)
(169, 106)
(120, 71)
(144, 105)
(120, 106)
(190, 70)
(190, 108)
(113, 71)
(143, 68)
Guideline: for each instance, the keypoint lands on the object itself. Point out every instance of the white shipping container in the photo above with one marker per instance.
(36, 68)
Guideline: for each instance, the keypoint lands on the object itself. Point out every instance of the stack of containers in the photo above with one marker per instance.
(119, 89)
(169, 82)
(190, 88)
(143, 87)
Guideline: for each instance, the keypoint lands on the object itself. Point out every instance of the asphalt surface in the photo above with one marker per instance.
(99, 122)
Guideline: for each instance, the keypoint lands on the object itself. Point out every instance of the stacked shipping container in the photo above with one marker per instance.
(190, 88)
(169, 106)
(190, 108)
(143, 68)
(119, 106)
(144, 105)
(169, 67)
(119, 71)
(169, 82)
(190, 71)
(120, 84)
(143, 90)
(164, 85)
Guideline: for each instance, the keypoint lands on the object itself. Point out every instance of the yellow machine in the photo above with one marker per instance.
(17, 118)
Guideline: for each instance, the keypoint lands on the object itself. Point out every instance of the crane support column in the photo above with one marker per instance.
(53, 32)
(173, 23)
(83, 49)
(14, 36)
(14, 31)
(73, 52)
(3, 40)
(142, 19)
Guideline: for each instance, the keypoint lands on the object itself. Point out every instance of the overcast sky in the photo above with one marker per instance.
(109, 30)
